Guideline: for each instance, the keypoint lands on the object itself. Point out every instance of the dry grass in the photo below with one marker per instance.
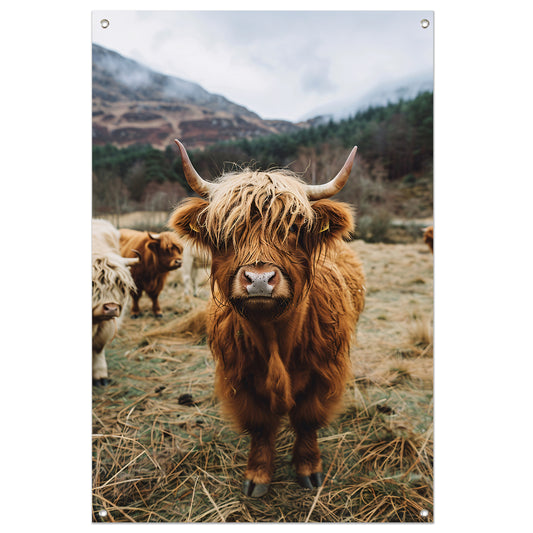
(163, 453)
(141, 220)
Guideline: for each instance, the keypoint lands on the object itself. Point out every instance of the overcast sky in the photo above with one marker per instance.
(279, 64)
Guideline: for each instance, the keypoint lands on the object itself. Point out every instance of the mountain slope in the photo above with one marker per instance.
(134, 104)
(392, 92)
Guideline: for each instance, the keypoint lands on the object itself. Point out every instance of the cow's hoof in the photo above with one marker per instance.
(255, 490)
(135, 316)
(159, 315)
(102, 382)
(317, 479)
(310, 482)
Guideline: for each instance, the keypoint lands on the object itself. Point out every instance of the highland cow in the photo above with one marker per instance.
(286, 293)
(194, 263)
(428, 237)
(158, 253)
(112, 284)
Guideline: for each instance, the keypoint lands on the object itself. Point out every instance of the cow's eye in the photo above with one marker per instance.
(294, 228)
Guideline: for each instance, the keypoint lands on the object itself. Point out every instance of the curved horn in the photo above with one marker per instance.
(326, 190)
(154, 236)
(197, 183)
(129, 261)
(138, 254)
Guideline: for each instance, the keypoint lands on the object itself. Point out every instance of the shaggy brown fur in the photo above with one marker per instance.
(112, 284)
(287, 354)
(428, 237)
(159, 253)
(193, 325)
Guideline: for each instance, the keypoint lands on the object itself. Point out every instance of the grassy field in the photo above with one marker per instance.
(163, 453)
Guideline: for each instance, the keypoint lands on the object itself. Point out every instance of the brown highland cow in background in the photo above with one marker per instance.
(158, 254)
(428, 237)
(286, 295)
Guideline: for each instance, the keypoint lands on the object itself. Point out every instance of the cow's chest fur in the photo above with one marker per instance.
(274, 365)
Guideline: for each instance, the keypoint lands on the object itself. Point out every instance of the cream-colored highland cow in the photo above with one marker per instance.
(112, 284)
(194, 266)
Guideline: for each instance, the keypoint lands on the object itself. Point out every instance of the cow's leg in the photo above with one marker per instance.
(262, 426)
(156, 309)
(307, 415)
(100, 376)
(186, 284)
(135, 309)
(260, 467)
(194, 281)
(306, 458)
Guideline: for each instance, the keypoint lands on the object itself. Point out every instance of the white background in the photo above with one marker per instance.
(483, 269)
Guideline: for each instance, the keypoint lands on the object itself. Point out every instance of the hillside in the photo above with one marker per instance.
(392, 92)
(133, 104)
(391, 180)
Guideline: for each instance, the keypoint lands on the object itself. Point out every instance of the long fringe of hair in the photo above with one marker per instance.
(277, 197)
(111, 279)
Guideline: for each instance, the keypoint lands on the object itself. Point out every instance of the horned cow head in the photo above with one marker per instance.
(111, 285)
(165, 251)
(263, 229)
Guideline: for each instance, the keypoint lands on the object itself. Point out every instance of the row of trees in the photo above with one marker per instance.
(399, 136)
(395, 147)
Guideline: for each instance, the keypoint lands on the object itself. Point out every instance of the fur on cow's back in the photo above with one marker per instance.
(351, 268)
(105, 237)
(130, 238)
(195, 257)
(132, 242)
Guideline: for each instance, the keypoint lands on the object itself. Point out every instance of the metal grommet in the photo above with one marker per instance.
(424, 23)
(104, 23)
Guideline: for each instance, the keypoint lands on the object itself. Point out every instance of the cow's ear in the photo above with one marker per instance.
(332, 220)
(187, 220)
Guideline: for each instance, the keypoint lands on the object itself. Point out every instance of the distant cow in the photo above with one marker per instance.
(193, 263)
(428, 237)
(158, 254)
(286, 296)
(112, 285)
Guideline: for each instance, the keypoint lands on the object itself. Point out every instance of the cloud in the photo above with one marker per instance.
(279, 64)
(316, 77)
